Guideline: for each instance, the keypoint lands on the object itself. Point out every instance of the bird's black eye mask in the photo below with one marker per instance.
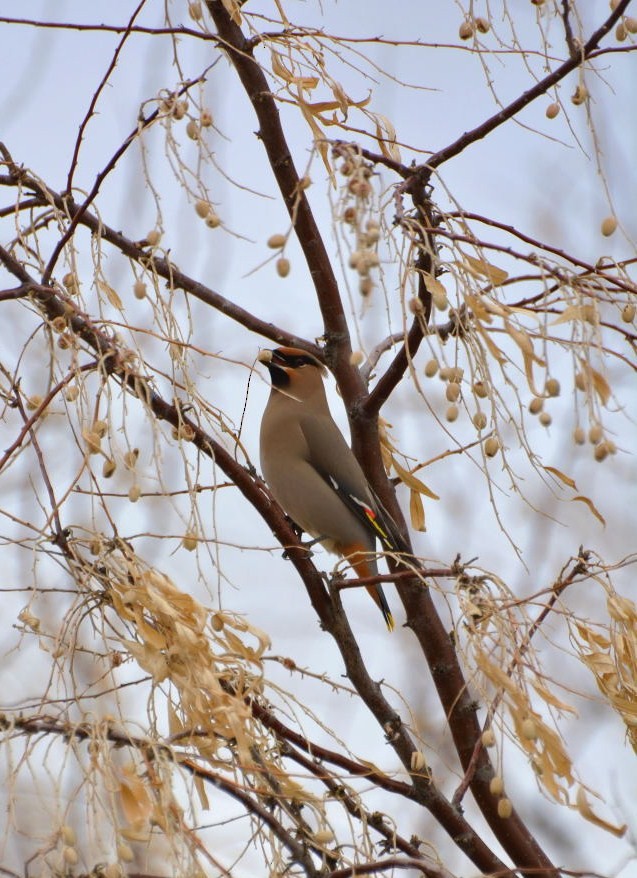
(292, 361)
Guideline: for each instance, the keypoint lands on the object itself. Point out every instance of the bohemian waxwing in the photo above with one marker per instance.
(311, 470)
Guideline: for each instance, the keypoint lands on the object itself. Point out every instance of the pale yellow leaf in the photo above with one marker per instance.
(476, 304)
(601, 385)
(134, 798)
(552, 699)
(279, 69)
(416, 511)
(386, 137)
(412, 481)
(110, 294)
(201, 792)
(583, 806)
(586, 313)
(494, 350)
(483, 268)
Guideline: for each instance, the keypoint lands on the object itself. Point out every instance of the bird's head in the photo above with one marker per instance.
(293, 371)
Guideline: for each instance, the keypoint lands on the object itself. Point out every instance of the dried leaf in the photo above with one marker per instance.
(601, 385)
(134, 798)
(583, 806)
(413, 481)
(110, 294)
(386, 137)
(547, 696)
(592, 508)
(477, 305)
(482, 268)
(587, 313)
(561, 476)
(416, 511)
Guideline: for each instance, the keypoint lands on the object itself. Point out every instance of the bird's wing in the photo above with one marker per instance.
(334, 460)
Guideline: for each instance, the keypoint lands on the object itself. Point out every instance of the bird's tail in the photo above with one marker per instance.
(364, 567)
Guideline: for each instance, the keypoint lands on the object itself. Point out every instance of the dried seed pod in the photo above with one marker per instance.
(608, 226)
(452, 392)
(350, 215)
(205, 119)
(130, 458)
(496, 785)
(545, 419)
(275, 242)
(595, 434)
(580, 95)
(480, 389)
(552, 387)
(202, 208)
(360, 187)
(59, 324)
(190, 541)
(179, 110)
(194, 10)
(431, 367)
(552, 110)
(125, 852)
(536, 405)
(100, 427)
(139, 289)
(488, 738)
(479, 420)
(628, 313)
(356, 358)
(482, 25)
(601, 451)
(34, 402)
(373, 232)
(621, 32)
(365, 286)
(581, 382)
(108, 468)
(134, 493)
(213, 220)
(456, 374)
(415, 305)
(579, 436)
(465, 31)
(452, 413)
(70, 855)
(153, 237)
(505, 808)
(630, 24)
(304, 183)
(283, 266)
(93, 441)
(68, 834)
(491, 446)
(72, 393)
(192, 130)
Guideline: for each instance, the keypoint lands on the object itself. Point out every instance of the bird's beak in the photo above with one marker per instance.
(265, 356)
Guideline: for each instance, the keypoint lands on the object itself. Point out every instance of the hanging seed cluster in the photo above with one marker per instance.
(358, 193)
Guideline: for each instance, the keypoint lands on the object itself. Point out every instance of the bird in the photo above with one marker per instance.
(312, 472)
